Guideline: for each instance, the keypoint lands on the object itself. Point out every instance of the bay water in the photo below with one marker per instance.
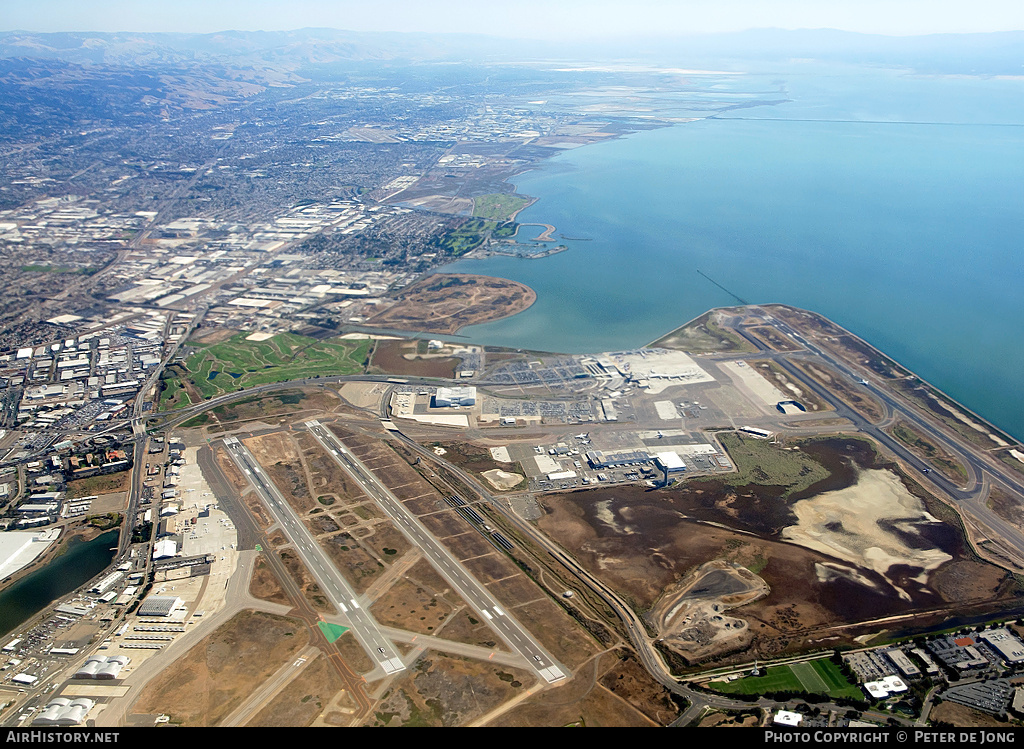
(890, 202)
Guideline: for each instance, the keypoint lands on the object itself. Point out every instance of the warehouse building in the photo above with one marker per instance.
(454, 397)
(61, 711)
(160, 605)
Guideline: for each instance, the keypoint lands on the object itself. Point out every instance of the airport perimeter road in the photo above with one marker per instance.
(474, 593)
(334, 586)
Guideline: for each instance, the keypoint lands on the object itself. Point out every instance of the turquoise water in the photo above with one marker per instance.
(908, 234)
(80, 562)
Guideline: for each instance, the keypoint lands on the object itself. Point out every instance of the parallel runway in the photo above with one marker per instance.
(472, 591)
(377, 645)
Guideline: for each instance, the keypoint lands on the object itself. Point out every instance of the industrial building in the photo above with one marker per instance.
(1009, 647)
(453, 397)
(61, 711)
(669, 461)
(599, 459)
(160, 605)
(102, 667)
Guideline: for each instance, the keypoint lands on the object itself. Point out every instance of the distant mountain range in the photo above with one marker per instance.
(986, 54)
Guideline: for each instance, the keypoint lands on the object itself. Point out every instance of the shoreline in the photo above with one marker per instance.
(545, 236)
(980, 420)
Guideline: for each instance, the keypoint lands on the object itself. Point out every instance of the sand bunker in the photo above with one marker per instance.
(502, 480)
(850, 524)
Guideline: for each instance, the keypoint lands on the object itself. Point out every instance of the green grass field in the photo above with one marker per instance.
(467, 237)
(760, 462)
(498, 206)
(820, 676)
(236, 364)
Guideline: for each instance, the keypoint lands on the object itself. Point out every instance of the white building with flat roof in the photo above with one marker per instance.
(454, 397)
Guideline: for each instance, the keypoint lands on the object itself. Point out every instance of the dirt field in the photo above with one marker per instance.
(215, 676)
(265, 585)
(109, 484)
(690, 616)
(1007, 506)
(704, 335)
(610, 690)
(729, 720)
(400, 358)
(410, 606)
(446, 303)
(962, 716)
(446, 690)
(304, 699)
(642, 542)
(279, 456)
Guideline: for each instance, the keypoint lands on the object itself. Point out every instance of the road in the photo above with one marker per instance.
(365, 628)
(471, 590)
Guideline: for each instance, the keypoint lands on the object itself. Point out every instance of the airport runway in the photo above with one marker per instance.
(472, 591)
(377, 645)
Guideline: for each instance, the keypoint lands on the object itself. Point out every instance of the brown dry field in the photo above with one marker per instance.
(108, 484)
(305, 582)
(641, 542)
(389, 357)
(446, 690)
(264, 583)
(728, 720)
(360, 567)
(628, 679)
(353, 655)
(277, 408)
(214, 334)
(773, 338)
(465, 627)
(327, 476)
(1007, 506)
(213, 678)
(962, 716)
(407, 605)
(446, 303)
(279, 456)
(303, 699)
(387, 542)
(586, 699)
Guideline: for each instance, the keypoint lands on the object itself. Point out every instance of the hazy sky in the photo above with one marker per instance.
(542, 19)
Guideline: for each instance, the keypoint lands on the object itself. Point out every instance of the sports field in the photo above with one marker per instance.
(820, 676)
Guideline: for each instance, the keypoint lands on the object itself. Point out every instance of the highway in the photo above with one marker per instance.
(471, 590)
(376, 644)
